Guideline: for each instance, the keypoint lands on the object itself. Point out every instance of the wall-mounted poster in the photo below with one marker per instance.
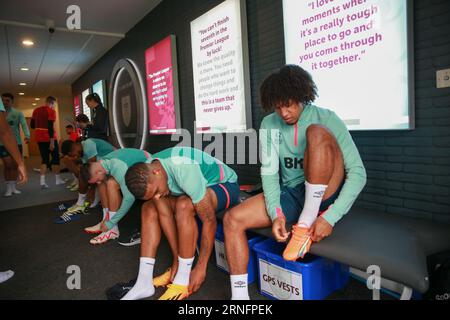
(86, 109)
(359, 53)
(221, 69)
(76, 105)
(162, 87)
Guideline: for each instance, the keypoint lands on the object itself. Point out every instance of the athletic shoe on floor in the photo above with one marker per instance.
(62, 207)
(299, 244)
(60, 182)
(8, 193)
(5, 276)
(130, 240)
(105, 236)
(119, 290)
(175, 292)
(74, 188)
(76, 209)
(94, 229)
(67, 217)
(44, 186)
(15, 191)
(162, 280)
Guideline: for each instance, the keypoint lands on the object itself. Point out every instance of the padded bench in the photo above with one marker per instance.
(398, 245)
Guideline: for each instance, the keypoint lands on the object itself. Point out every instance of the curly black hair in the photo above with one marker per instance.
(82, 118)
(66, 147)
(291, 82)
(136, 179)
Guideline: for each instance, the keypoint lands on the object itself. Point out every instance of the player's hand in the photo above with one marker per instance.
(279, 230)
(198, 276)
(22, 174)
(320, 230)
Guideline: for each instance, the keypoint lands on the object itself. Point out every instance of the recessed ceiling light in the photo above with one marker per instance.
(22, 84)
(25, 69)
(34, 104)
(28, 43)
(37, 99)
(21, 94)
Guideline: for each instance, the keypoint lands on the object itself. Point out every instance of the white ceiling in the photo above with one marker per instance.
(58, 59)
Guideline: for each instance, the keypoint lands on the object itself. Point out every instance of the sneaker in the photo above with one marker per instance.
(74, 188)
(94, 229)
(44, 186)
(119, 290)
(162, 280)
(62, 207)
(67, 217)
(175, 292)
(130, 240)
(299, 244)
(15, 191)
(105, 237)
(76, 209)
(8, 193)
(60, 182)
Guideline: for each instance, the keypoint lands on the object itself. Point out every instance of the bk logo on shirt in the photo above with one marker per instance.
(293, 163)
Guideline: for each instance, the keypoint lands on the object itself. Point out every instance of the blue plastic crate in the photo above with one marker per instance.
(221, 261)
(312, 278)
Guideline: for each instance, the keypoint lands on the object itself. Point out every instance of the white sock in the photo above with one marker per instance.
(96, 199)
(5, 276)
(8, 189)
(43, 180)
(144, 284)
(184, 271)
(13, 185)
(111, 214)
(239, 287)
(105, 213)
(81, 199)
(313, 198)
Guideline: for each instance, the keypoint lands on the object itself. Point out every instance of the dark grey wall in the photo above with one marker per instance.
(408, 172)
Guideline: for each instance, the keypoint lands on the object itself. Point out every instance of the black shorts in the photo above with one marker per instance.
(44, 149)
(4, 153)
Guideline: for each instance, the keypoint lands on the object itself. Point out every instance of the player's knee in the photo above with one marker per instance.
(184, 209)
(317, 134)
(149, 211)
(112, 184)
(232, 222)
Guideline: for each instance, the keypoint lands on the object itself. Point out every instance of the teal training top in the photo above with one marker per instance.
(191, 171)
(2, 107)
(116, 165)
(95, 148)
(16, 119)
(283, 147)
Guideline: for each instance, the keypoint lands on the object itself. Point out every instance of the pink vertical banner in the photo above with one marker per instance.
(161, 87)
(76, 105)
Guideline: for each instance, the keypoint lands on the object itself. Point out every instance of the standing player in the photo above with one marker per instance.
(43, 121)
(16, 121)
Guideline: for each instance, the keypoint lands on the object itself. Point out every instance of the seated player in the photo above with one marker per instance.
(320, 168)
(75, 154)
(109, 176)
(177, 184)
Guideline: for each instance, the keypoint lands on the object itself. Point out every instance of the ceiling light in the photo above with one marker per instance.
(34, 104)
(37, 99)
(22, 84)
(24, 69)
(28, 43)
(21, 94)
